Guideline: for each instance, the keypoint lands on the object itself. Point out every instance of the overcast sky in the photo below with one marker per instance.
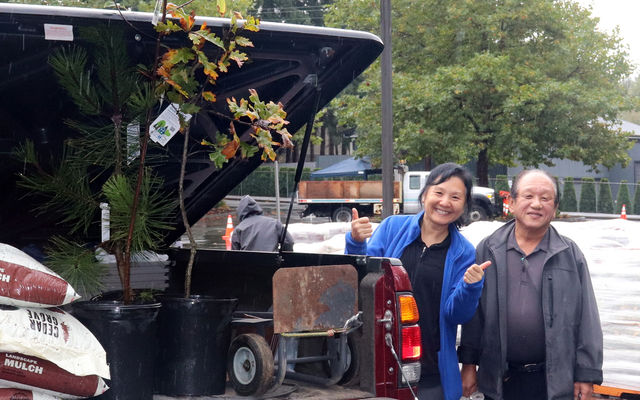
(626, 15)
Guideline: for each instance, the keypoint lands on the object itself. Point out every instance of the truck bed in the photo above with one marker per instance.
(330, 191)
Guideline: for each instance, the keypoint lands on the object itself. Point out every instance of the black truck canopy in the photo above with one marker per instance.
(290, 64)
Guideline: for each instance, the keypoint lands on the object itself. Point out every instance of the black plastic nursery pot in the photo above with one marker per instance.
(194, 335)
(128, 335)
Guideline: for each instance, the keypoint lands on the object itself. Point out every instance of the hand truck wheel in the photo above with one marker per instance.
(250, 365)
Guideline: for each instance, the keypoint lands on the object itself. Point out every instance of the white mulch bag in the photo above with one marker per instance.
(32, 373)
(21, 394)
(24, 282)
(53, 335)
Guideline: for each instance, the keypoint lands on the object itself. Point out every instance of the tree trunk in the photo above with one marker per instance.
(482, 168)
(332, 151)
(311, 155)
(427, 163)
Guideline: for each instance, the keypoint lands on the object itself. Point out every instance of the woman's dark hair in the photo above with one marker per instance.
(444, 172)
(525, 172)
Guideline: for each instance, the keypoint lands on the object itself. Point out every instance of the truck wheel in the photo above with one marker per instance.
(341, 214)
(250, 365)
(478, 213)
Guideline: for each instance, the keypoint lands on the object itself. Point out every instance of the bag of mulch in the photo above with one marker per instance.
(33, 373)
(20, 394)
(53, 335)
(24, 282)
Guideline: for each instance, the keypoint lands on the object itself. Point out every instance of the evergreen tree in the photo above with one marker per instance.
(108, 91)
(568, 200)
(588, 195)
(623, 198)
(636, 200)
(605, 199)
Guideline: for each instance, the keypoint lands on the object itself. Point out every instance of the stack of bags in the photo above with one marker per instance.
(45, 353)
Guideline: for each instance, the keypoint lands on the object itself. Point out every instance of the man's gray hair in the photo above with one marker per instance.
(525, 172)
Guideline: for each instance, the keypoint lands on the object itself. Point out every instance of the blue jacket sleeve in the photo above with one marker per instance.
(376, 245)
(353, 247)
(463, 298)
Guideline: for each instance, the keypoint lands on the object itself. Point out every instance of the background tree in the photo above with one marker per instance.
(305, 12)
(503, 82)
(588, 195)
(633, 89)
(605, 199)
(568, 200)
(623, 198)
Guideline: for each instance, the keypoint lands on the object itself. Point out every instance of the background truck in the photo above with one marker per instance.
(303, 67)
(335, 199)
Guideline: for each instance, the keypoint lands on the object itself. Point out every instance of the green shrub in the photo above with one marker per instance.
(636, 200)
(605, 199)
(568, 200)
(623, 198)
(588, 195)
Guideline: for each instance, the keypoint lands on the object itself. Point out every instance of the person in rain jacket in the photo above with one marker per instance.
(440, 263)
(257, 232)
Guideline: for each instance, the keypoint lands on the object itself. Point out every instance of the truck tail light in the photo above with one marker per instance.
(408, 309)
(411, 343)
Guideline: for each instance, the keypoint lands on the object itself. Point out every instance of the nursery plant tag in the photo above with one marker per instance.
(133, 141)
(157, 13)
(166, 125)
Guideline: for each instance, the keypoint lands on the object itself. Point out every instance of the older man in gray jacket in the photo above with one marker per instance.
(536, 333)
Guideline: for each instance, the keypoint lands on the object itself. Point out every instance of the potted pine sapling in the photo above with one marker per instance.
(195, 330)
(97, 166)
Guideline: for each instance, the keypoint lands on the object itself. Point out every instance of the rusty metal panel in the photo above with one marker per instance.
(314, 298)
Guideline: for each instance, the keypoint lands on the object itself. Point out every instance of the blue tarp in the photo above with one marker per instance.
(349, 167)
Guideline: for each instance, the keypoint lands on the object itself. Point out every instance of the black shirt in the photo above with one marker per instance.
(425, 266)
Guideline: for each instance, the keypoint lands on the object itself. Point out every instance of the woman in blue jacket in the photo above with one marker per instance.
(440, 262)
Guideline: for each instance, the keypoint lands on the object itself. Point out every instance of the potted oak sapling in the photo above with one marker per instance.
(194, 330)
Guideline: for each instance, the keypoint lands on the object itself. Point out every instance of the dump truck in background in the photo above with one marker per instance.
(335, 199)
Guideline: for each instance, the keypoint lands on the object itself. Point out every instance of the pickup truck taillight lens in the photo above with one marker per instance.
(408, 309)
(411, 343)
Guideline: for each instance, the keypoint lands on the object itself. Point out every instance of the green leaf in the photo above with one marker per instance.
(222, 7)
(182, 55)
(243, 41)
(247, 150)
(167, 27)
(217, 158)
(238, 57)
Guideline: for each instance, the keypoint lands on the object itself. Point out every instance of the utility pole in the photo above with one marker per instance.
(387, 120)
